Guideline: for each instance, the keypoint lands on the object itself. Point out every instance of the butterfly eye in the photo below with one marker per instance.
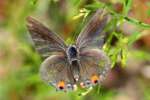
(61, 85)
(94, 79)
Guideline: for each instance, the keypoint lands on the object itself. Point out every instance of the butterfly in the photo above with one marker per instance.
(66, 66)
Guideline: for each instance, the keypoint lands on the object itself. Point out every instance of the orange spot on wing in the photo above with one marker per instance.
(94, 79)
(61, 84)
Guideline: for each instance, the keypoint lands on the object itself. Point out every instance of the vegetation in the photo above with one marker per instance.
(126, 45)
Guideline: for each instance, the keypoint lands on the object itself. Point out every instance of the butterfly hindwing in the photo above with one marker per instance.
(55, 71)
(94, 66)
(44, 39)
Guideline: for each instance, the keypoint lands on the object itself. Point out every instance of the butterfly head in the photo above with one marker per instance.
(72, 53)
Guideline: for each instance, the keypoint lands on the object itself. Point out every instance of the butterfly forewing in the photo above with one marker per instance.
(55, 69)
(44, 39)
(93, 33)
(94, 66)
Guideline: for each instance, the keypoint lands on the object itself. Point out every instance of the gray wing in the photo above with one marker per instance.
(44, 39)
(55, 71)
(93, 33)
(94, 66)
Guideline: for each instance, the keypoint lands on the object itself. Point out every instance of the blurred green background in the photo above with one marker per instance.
(128, 46)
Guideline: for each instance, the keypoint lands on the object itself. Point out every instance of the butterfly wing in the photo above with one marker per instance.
(55, 71)
(93, 33)
(44, 39)
(94, 66)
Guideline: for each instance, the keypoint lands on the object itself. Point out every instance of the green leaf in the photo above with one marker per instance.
(133, 38)
(126, 6)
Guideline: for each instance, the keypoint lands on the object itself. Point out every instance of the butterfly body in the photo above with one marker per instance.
(84, 63)
(72, 54)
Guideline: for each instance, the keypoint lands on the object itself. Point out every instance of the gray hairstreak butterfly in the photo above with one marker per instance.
(82, 63)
